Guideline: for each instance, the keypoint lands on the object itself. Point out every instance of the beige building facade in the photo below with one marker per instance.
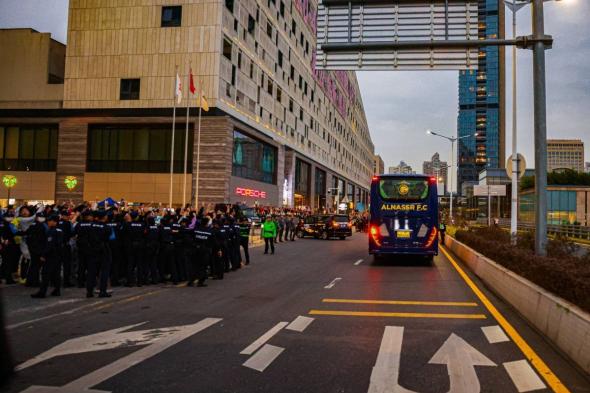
(565, 154)
(277, 133)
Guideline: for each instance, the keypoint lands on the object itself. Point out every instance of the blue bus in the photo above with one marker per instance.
(404, 215)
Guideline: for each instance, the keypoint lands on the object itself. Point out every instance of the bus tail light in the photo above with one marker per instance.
(431, 238)
(374, 231)
(432, 180)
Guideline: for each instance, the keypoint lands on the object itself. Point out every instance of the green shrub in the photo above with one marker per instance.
(560, 272)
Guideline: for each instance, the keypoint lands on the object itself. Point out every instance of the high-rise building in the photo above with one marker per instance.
(565, 154)
(587, 167)
(378, 165)
(278, 132)
(401, 169)
(438, 168)
(481, 101)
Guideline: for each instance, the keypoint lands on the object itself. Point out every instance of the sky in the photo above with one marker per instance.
(402, 105)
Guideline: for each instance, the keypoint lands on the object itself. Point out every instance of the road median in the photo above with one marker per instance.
(565, 324)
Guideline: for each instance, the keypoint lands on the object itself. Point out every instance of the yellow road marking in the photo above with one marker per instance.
(401, 302)
(126, 300)
(395, 314)
(530, 354)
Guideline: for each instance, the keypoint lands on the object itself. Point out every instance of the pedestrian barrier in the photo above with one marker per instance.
(571, 231)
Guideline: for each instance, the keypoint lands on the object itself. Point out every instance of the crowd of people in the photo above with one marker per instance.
(89, 246)
(92, 246)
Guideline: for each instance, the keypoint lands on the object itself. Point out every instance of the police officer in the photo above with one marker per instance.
(50, 263)
(152, 247)
(245, 237)
(185, 249)
(226, 232)
(36, 240)
(219, 248)
(235, 247)
(82, 232)
(66, 250)
(115, 244)
(168, 237)
(97, 259)
(204, 245)
(134, 232)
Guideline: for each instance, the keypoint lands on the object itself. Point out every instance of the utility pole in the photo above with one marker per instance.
(540, 127)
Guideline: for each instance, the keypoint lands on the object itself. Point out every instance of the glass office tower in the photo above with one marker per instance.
(481, 101)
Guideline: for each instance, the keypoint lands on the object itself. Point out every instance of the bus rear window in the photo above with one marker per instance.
(403, 189)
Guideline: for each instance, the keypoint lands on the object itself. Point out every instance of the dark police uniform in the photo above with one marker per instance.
(235, 248)
(134, 233)
(204, 245)
(168, 237)
(36, 236)
(245, 239)
(227, 232)
(98, 237)
(152, 247)
(116, 254)
(66, 250)
(219, 249)
(50, 265)
(82, 231)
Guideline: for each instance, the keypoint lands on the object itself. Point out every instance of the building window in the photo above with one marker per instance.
(171, 16)
(251, 24)
(269, 29)
(28, 148)
(280, 60)
(302, 183)
(269, 87)
(279, 94)
(140, 150)
(229, 4)
(253, 159)
(282, 9)
(227, 48)
(129, 89)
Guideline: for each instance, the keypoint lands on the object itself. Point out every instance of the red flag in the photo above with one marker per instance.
(192, 83)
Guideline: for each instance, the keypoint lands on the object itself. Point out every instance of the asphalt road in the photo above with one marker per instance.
(319, 316)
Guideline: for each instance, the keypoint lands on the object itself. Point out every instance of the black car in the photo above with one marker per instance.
(307, 227)
(336, 225)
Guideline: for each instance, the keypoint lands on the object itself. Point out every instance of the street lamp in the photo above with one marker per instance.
(452, 140)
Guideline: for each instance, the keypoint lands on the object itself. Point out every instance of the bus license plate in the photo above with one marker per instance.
(403, 234)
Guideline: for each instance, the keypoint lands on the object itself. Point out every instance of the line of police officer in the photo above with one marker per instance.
(138, 248)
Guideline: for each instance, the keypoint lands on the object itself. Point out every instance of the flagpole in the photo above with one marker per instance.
(186, 139)
(198, 149)
(172, 144)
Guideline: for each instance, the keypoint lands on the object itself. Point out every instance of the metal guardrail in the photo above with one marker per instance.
(571, 231)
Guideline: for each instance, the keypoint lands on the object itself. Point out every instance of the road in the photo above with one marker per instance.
(319, 316)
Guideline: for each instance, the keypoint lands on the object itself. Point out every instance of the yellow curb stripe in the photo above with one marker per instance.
(544, 370)
(395, 314)
(401, 302)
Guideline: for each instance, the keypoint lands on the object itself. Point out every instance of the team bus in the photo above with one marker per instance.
(404, 216)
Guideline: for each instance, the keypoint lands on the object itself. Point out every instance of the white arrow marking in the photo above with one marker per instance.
(250, 349)
(461, 359)
(358, 262)
(263, 358)
(96, 377)
(334, 281)
(385, 375)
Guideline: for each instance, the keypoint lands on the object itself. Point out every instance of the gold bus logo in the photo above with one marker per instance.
(403, 188)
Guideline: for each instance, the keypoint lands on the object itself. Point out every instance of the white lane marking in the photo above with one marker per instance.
(263, 358)
(385, 374)
(250, 349)
(524, 377)
(494, 334)
(300, 323)
(46, 306)
(358, 262)
(96, 377)
(68, 312)
(331, 284)
(461, 359)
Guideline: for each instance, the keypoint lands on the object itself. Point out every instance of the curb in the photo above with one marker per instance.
(564, 323)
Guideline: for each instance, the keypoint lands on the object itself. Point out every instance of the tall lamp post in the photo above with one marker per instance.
(515, 6)
(451, 139)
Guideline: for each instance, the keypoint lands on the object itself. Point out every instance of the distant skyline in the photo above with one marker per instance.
(402, 105)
